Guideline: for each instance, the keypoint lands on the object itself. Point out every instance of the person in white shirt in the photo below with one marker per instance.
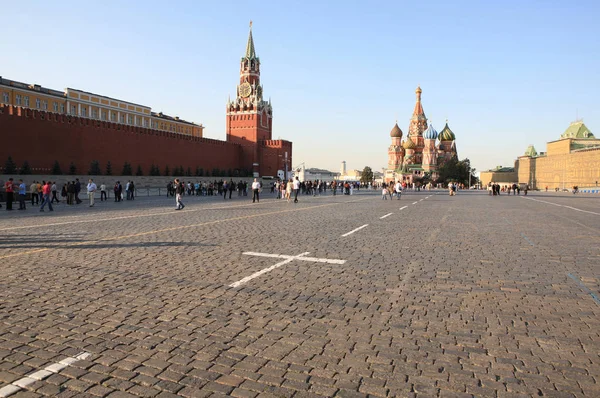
(103, 192)
(296, 189)
(54, 193)
(398, 188)
(127, 191)
(91, 190)
(255, 190)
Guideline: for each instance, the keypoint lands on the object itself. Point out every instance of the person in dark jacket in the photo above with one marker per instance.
(77, 190)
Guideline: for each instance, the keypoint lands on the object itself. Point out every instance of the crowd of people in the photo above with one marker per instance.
(46, 193)
(494, 189)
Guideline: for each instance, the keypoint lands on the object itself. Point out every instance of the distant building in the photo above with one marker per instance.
(500, 175)
(75, 128)
(419, 153)
(572, 160)
(313, 174)
(92, 106)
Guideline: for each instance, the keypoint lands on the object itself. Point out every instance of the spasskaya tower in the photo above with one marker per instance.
(249, 116)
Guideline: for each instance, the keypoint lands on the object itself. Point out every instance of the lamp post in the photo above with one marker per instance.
(285, 161)
(469, 187)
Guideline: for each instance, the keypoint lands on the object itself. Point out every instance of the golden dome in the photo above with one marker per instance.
(409, 144)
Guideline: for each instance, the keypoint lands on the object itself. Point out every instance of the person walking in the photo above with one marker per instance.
(103, 196)
(91, 191)
(34, 193)
(22, 194)
(70, 193)
(54, 193)
(9, 187)
(296, 189)
(77, 191)
(63, 192)
(231, 187)
(255, 191)
(398, 188)
(131, 190)
(39, 187)
(179, 188)
(288, 190)
(46, 190)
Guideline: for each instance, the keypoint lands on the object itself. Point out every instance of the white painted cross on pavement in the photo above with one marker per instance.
(288, 259)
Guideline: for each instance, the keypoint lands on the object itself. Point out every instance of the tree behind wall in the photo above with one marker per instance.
(108, 168)
(188, 172)
(366, 175)
(139, 172)
(10, 167)
(126, 169)
(154, 170)
(72, 169)
(95, 168)
(167, 171)
(56, 171)
(25, 169)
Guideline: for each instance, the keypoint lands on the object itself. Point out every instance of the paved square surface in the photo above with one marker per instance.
(351, 296)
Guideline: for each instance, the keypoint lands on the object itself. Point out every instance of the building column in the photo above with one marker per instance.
(78, 109)
(118, 117)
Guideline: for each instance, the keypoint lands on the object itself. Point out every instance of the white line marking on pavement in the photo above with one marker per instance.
(303, 258)
(22, 383)
(527, 239)
(421, 200)
(414, 203)
(288, 259)
(567, 207)
(387, 215)
(402, 208)
(265, 270)
(354, 230)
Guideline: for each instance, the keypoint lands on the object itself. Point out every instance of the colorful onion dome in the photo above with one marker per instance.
(446, 134)
(396, 132)
(430, 133)
(409, 144)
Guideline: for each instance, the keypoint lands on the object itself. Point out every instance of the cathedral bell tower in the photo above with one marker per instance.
(418, 124)
(249, 117)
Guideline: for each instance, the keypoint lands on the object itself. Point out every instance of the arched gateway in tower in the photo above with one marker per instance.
(250, 121)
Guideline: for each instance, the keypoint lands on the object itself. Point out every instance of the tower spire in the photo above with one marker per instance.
(418, 106)
(250, 51)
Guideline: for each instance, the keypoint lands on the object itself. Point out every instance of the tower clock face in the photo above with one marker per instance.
(245, 89)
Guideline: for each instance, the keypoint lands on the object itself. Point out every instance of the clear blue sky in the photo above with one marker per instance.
(506, 74)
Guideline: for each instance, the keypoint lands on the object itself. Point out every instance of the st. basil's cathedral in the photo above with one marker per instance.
(423, 150)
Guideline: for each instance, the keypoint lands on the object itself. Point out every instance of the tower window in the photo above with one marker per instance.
(5, 98)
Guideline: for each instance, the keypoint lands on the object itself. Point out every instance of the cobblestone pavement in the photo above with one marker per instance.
(459, 296)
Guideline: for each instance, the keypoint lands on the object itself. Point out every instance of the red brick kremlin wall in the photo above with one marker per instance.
(42, 138)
